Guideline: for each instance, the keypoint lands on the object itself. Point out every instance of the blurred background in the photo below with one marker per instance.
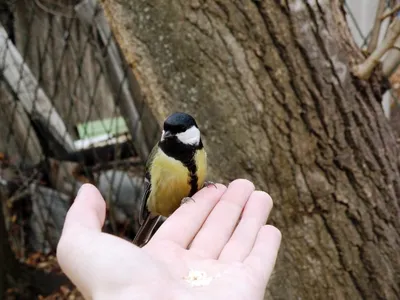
(69, 115)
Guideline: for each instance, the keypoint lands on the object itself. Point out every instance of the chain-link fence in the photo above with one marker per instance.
(70, 113)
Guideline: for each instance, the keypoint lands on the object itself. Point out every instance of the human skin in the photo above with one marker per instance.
(222, 232)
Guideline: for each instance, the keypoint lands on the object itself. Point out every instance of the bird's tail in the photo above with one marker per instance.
(145, 231)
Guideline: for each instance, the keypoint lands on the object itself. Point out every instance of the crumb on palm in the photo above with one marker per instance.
(198, 278)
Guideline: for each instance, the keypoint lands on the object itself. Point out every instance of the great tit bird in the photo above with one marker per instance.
(175, 170)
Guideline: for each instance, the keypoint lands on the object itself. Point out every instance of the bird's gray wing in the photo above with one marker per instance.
(143, 214)
(143, 204)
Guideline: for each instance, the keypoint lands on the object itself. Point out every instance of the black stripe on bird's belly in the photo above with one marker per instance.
(193, 178)
(185, 154)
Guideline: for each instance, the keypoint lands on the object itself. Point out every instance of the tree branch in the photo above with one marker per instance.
(391, 12)
(365, 69)
(373, 42)
(391, 60)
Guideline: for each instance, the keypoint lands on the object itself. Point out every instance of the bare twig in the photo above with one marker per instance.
(391, 12)
(365, 69)
(391, 60)
(18, 196)
(373, 42)
(23, 191)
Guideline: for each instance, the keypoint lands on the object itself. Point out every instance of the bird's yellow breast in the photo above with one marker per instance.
(170, 182)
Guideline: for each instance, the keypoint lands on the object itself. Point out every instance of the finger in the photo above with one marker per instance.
(254, 216)
(88, 210)
(263, 255)
(221, 222)
(186, 221)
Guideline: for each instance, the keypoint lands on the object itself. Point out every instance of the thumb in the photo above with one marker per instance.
(88, 210)
(82, 225)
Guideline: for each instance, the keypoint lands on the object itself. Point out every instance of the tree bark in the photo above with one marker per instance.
(271, 87)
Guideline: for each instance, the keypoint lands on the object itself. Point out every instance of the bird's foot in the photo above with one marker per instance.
(209, 183)
(186, 200)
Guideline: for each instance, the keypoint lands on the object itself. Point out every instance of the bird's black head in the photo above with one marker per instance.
(180, 137)
(181, 128)
(179, 122)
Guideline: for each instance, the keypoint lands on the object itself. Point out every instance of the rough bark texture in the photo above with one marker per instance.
(271, 88)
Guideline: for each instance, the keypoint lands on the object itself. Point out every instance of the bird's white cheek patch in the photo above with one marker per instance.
(190, 136)
(162, 135)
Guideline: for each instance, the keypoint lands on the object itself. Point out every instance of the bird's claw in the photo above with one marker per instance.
(186, 200)
(208, 183)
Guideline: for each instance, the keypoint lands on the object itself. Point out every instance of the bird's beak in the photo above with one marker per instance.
(166, 134)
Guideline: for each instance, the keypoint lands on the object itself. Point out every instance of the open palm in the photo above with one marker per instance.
(220, 235)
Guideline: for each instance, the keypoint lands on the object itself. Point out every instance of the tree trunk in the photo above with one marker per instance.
(271, 87)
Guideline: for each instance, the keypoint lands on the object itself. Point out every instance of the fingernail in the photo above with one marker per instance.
(80, 190)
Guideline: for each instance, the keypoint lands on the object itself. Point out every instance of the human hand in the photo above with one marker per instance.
(221, 233)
